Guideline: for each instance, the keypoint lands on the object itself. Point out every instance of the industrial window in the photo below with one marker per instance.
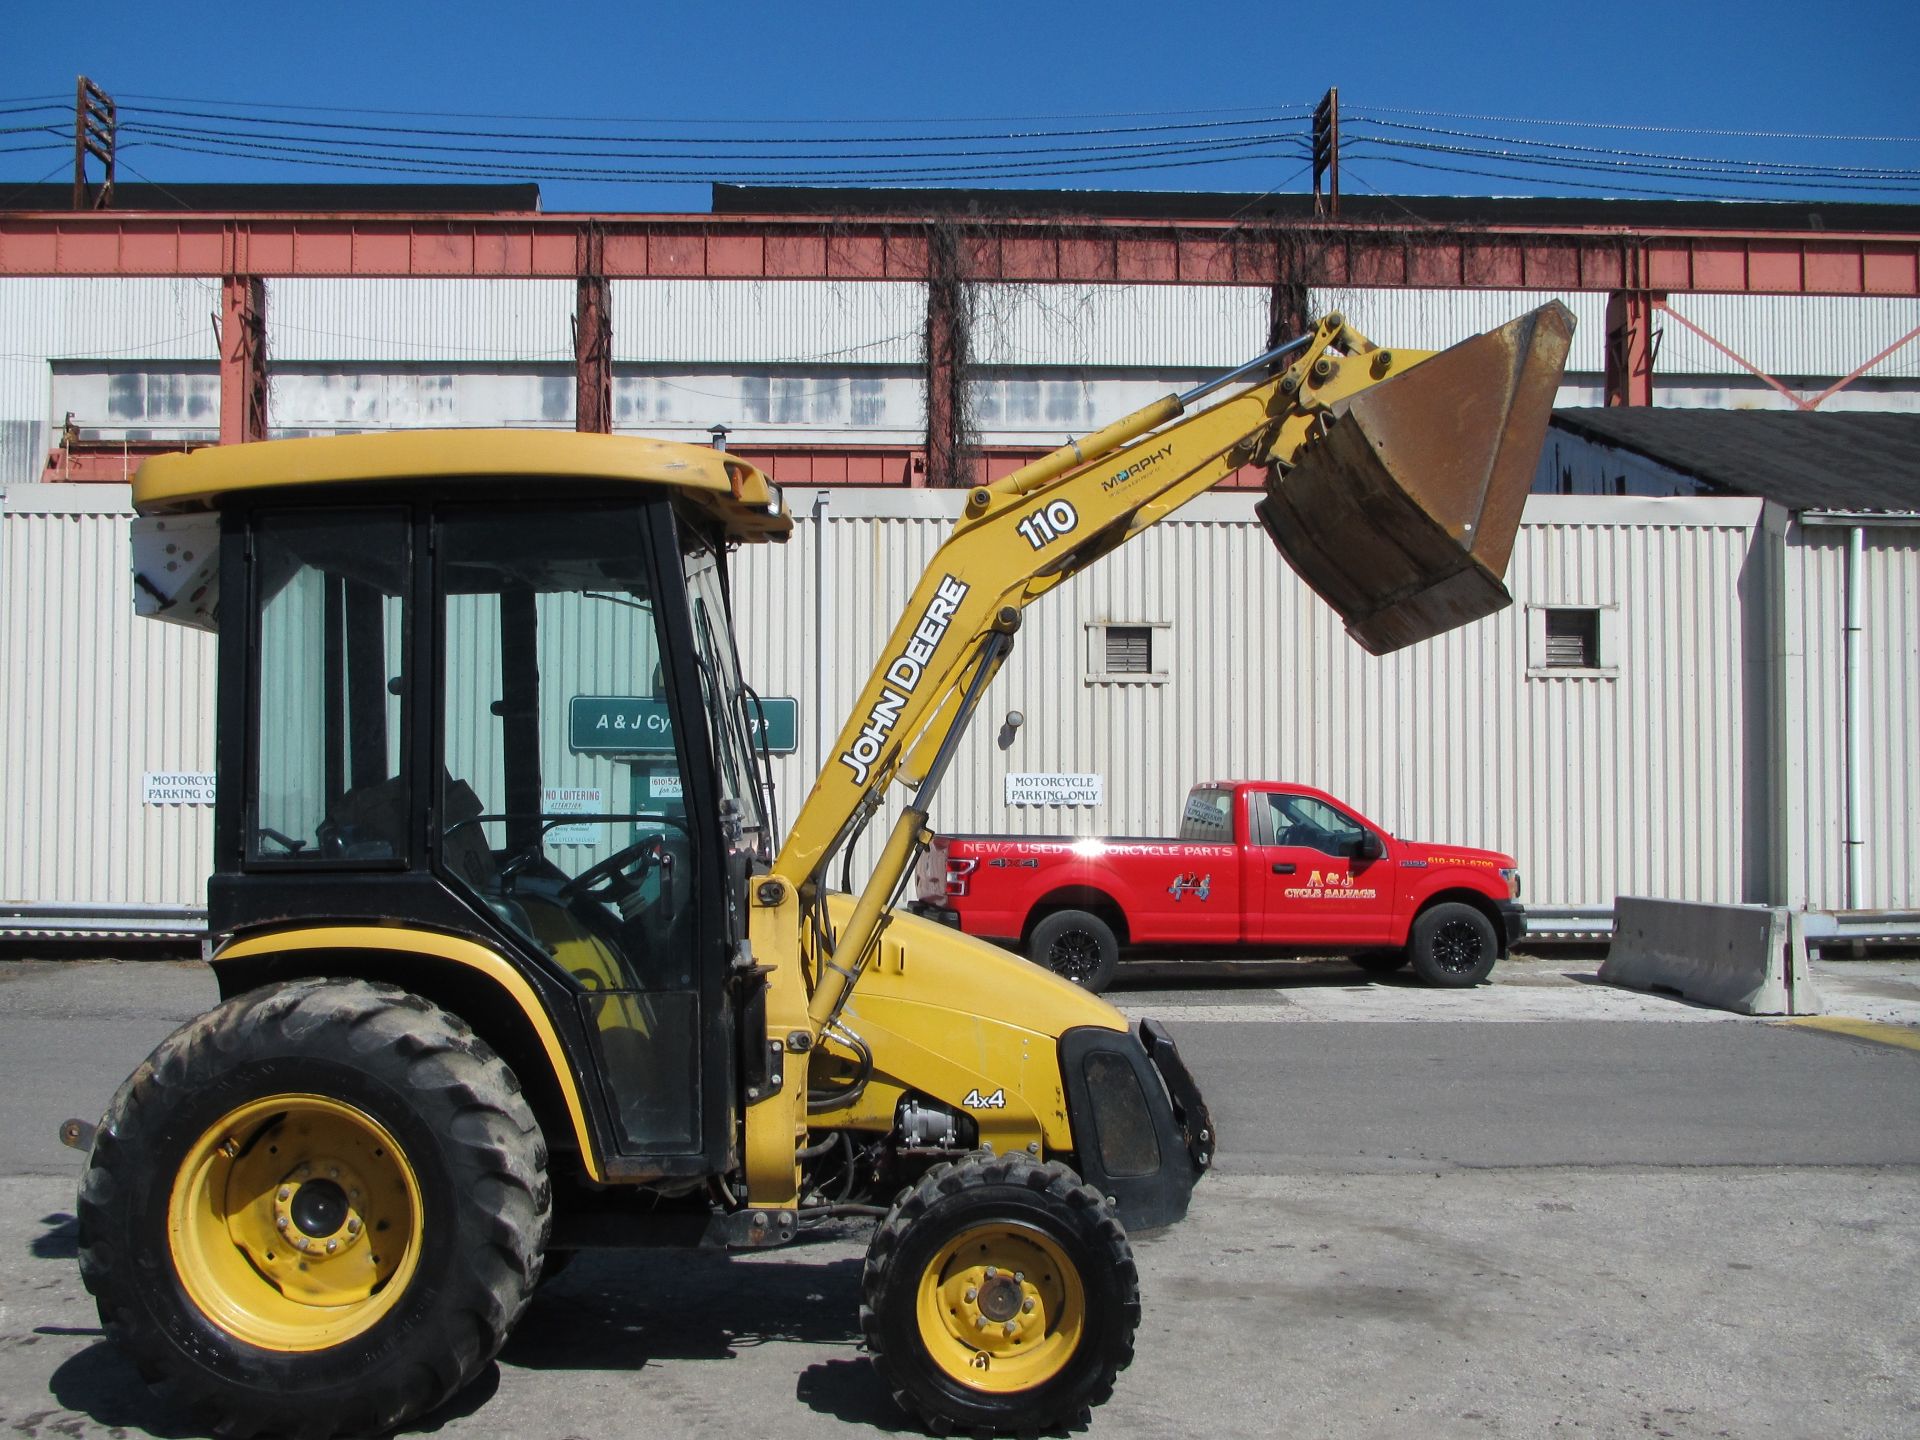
(1568, 640)
(1118, 653)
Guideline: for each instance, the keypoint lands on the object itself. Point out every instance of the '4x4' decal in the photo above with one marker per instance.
(1182, 884)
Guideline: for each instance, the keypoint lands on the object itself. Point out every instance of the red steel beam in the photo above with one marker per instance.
(817, 248)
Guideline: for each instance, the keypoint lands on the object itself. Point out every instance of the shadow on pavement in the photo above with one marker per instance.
(101, 1383)
(59, 1241)
(851, 1392)
(617, 1310)
(1242, 974)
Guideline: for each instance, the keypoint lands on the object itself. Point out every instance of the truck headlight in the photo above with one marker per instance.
(1512, 877)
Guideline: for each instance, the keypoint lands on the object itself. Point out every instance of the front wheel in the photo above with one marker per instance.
(316, 1210)
(1000, 1294)
(1078, 946)
(1453, 946)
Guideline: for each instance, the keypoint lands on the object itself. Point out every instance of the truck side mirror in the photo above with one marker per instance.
(1371, 847)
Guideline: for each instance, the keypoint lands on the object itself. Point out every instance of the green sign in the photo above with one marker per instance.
(628, 725)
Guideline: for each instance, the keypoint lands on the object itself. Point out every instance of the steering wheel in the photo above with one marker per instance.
(606, 877)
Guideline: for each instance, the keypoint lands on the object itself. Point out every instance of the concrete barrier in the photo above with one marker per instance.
(1747, 958)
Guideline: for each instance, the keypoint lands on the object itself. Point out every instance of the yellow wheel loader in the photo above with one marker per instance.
(514, 963)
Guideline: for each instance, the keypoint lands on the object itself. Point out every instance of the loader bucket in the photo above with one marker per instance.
(1402, 515)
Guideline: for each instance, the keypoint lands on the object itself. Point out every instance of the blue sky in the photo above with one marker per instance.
(863, 77)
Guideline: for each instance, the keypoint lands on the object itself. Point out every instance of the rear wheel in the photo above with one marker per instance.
(1078, 946)
(316, 1210)
(1453, 946)
(999, 1294)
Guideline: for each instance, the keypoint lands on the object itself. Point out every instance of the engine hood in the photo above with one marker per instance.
(925, 963)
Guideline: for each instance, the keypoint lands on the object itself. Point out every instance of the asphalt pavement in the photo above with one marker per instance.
(1493, 1215)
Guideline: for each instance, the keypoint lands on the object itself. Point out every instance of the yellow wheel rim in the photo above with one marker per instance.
(1000, 1308)
(295, 1223)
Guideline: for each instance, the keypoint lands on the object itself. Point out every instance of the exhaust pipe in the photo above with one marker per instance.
(1403, 513)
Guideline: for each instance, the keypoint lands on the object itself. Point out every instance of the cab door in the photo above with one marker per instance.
(1327, 884)
(568, 663)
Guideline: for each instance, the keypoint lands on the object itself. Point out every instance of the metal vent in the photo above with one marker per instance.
(1573, 639)
(1129, 650)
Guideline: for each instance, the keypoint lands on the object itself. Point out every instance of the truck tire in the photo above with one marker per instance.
(1000, 1293)
(1453, 946)
(317, 1210)
(1078, 946)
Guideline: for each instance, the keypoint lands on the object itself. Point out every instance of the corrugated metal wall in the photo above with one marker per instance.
(1790, 335)
(1815, 774)
(1656, 776)
(1602, 785)
(499, 321)
(95, 699)
(129, 322)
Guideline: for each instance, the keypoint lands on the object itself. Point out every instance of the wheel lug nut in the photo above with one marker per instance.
(353, 1227)
(1008, 1328)
(1019, 1277)
(1026, 1306)
(280, 1222)
(973, 1293)
(983, 1322)
(286, 1192)
(991, 1272)
(354, 1196)
(334, 1173)
(332, 1245)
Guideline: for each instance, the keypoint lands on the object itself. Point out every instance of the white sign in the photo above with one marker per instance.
(663, 787)
(574, 800)
(179, 787)
(1049, 789)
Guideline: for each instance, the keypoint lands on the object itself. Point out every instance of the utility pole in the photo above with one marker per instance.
(1326, 154)
(93, 129)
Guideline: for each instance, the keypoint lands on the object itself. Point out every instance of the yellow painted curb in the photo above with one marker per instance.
(1905, 1036)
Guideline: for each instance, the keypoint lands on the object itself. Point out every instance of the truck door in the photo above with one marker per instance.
(1321, 891)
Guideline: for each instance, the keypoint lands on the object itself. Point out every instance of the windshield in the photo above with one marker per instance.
(723, 694)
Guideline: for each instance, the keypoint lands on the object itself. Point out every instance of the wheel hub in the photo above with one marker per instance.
(295, 1222)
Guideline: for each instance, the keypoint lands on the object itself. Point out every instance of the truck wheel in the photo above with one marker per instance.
(1076, 946)
(1381, 962)
(1000, 1293)
(317, 1210)
(1453, 946)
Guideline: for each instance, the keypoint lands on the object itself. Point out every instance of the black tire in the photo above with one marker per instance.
(305, 1071)
(1381, 962)
(1078, 946)
(950, 1224)
(1453, 946)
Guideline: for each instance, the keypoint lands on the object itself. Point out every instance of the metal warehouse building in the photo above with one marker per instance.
(1708, 686)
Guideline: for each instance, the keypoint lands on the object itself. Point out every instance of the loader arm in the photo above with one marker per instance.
(1030, 531)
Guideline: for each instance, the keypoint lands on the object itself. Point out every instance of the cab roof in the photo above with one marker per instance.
(739, 496)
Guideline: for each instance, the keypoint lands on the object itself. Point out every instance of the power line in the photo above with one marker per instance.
(1781, 166)
(1650, 129)
(312, 145)
(714, 120)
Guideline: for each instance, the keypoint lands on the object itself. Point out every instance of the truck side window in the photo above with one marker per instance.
(1208, 817)
(1303, 821)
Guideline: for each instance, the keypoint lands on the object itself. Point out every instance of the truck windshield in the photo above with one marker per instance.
(1208, 816)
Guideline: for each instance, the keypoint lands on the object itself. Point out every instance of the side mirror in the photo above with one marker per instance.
(1371, 847)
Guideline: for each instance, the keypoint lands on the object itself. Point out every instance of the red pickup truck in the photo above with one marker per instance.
(1257, 868)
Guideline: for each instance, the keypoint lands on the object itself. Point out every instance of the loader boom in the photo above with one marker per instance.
(1423, 537)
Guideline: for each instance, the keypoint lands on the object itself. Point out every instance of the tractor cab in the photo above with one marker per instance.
(502, 705)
